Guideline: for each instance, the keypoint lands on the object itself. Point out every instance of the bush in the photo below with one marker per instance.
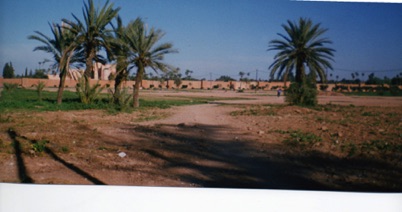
(394, 90)
(323, 87)
(39, 88)
(302, 94)
(87, 93)
(380, 90)
(39, 146)
(10, 87)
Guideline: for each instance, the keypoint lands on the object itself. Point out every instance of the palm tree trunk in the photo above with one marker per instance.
(121, 75)
(88, 62)
(300, 74)
(117, 89)
(138, 78)
(61, 86)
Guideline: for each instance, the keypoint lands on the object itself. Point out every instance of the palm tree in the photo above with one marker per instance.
(62, 45)
(144, 52)
(92, 32)
(302, 47)
(120, 53)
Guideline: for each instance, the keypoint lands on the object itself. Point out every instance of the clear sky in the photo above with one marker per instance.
(224, 37)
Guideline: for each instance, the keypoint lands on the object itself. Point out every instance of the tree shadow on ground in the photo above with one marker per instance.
(200, 155)
(22, 171)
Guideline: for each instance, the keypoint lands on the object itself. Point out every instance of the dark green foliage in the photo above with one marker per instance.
(323, 87)
(395, 91)
(8, 71)
(40, 74)
(301, 94)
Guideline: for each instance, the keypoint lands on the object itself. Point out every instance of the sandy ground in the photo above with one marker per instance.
(207, 146)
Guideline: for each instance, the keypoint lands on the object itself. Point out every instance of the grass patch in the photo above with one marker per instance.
(257, 111)
(367, 113)
(27, 100)
(373, 146)
(147, 115)
(382, 93)
(300, 139)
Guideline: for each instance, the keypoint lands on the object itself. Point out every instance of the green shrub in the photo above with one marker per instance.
(39, 146)
(323, 87)
(39, 88)
(302, 94)
(395, 91)
(65, 149)
(9, 87)
(87, 93)
(380, 90)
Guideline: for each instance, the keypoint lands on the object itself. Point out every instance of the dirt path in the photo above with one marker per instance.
(205, 114)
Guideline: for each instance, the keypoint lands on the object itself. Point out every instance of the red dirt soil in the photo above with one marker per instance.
(230, 143)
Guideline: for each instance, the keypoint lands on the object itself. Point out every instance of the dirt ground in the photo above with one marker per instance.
(348, 144)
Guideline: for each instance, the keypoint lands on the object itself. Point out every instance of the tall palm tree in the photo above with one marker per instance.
(120, 53)
(145, 52)
(92, 32)
(301, 47)
(63, 47)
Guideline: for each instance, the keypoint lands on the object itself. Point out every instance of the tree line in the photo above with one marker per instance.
(79, 41)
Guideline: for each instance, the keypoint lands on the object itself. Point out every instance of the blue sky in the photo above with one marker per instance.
(224, 37)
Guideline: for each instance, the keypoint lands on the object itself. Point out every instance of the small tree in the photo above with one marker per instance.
(8, 71)
(225, 78)
(241, 74)
(87, 93)
(39, 88)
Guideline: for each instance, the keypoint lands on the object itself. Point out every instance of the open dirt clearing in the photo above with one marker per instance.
(229, 143)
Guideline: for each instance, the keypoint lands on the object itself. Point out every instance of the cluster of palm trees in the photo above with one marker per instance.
(78, 42)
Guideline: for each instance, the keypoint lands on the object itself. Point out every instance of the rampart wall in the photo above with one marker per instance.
(185, 84)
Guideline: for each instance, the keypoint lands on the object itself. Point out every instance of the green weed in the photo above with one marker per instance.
(65, 149)
(39, 89)
(302, 139)
(256, 111)
(39, 146)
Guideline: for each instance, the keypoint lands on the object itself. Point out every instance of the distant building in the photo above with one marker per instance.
(99, 72)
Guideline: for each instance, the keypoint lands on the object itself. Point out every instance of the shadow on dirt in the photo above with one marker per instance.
(198, 155)
(22, 171)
